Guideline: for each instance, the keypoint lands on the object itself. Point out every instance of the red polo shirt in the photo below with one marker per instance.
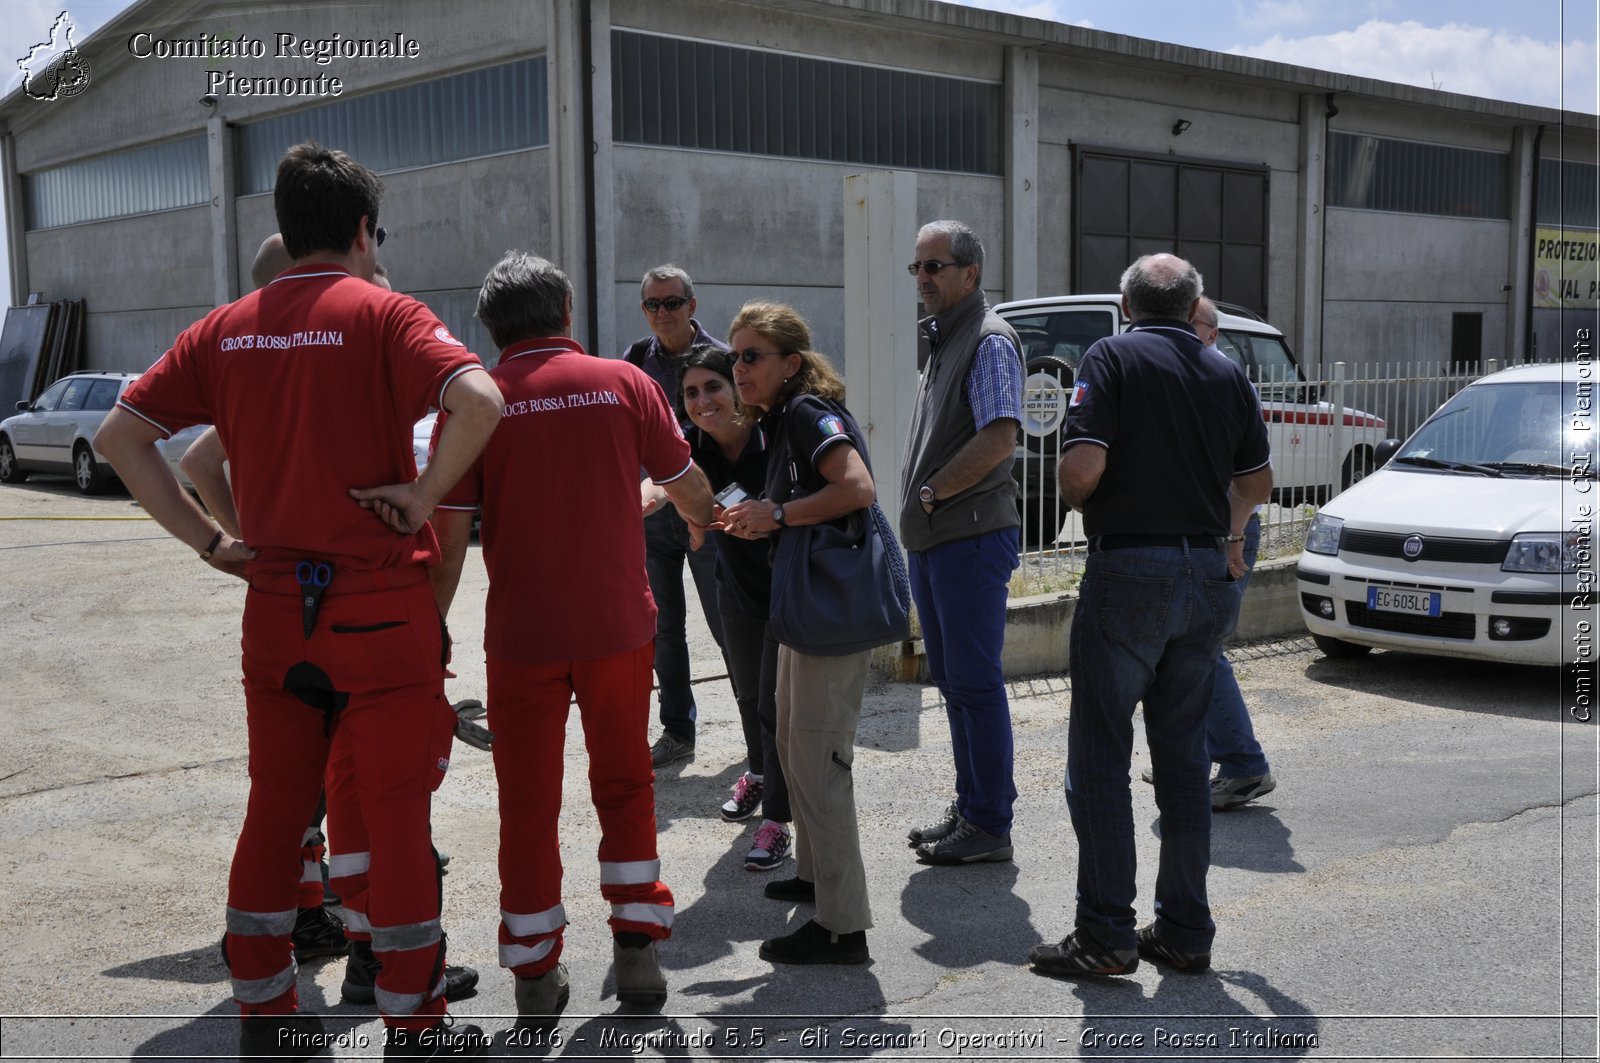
(314, 383)
(563, 538)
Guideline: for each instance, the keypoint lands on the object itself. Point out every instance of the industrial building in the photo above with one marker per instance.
(1371, 221)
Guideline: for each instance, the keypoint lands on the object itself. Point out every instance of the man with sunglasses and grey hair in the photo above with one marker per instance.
(666, 296)
(959, 523)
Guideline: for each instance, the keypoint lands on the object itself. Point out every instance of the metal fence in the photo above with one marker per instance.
(1323, 431)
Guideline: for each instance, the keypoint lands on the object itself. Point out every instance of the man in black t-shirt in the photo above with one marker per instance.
(1166, 455)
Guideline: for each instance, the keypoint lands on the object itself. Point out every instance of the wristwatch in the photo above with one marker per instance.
(777, 515)
(926, 494)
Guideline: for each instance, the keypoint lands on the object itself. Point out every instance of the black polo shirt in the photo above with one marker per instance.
(743, 569)
(799, 433)
(1178, 425)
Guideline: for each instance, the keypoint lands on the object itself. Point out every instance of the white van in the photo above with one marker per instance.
(1306, 460)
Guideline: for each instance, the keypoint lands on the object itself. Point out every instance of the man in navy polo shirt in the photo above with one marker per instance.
(666, 295)
(1166, 456)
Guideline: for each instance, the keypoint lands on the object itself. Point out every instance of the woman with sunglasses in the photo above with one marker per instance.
(732, 451)
(815, 475)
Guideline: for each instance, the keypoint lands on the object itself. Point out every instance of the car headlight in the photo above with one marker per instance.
(1547, 552)
(1323, 538)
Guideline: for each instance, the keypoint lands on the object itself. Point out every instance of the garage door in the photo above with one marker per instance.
(1214, 215)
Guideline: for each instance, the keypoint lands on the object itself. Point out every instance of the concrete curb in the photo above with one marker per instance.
(1037, 627)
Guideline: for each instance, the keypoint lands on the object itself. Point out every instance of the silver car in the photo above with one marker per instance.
(54, 433)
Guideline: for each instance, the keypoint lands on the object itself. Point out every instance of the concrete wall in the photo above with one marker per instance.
(749, 227)
(1038, 627)
(144, 279)
(1393, 281)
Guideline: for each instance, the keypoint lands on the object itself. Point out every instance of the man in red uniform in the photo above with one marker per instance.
(317, 930)
(313, 384)
(569, 611)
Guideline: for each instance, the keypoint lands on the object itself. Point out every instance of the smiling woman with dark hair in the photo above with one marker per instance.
(732, 451)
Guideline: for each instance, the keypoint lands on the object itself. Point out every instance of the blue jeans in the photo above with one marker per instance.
(960, 591)
(1230, 739)
(1148, 626)
(666, 543)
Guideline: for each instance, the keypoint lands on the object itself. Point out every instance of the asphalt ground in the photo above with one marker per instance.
(1421, 884)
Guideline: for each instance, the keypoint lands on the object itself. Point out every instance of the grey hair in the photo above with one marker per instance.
(964, 242)
(669, 272)
(1161, 285)
(1207, 308)
(523, 296)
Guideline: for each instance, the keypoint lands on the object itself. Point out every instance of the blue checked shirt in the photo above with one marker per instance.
(993, 387)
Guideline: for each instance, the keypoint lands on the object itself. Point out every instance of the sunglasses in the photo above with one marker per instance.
(750, 356)
(932, 265)
(672, 305)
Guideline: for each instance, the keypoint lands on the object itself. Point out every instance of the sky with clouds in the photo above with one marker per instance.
(1541, 52)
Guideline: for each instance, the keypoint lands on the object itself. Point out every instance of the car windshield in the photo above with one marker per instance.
(1268, 364)
(1064, 334)
(1514, 429)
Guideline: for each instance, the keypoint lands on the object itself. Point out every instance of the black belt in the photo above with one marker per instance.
(1129, 542)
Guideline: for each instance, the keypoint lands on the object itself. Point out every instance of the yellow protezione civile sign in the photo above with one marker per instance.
(1566, 268)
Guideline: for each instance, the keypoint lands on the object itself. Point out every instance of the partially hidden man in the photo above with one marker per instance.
(313, 384)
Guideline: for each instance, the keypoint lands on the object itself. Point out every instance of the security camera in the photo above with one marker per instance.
(208, 100)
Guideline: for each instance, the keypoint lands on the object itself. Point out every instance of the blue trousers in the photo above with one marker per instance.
(1230, 739)
(1148, 626)
(960, 591)
(666, 544)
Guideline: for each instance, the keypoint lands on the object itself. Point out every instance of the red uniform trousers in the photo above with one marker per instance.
(375, 656)
(528, 706)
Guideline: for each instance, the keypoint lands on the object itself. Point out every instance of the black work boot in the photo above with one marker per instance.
(297, 1036)
(318, 932)
(361, 977)
(541, 1000)
(640, 979)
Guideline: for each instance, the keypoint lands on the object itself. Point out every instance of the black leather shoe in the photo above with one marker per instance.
(444, 1041)
(815, 943)
(298, 1036)
(794, 890)
(361, 978)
